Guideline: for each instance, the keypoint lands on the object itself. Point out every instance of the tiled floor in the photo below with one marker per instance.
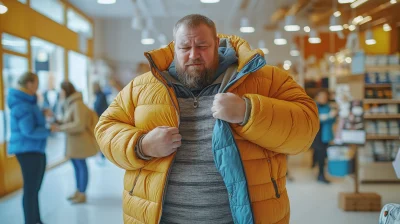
(311, 202)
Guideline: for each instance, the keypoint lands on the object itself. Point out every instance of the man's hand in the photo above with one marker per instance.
(161, 142)
(229, 107)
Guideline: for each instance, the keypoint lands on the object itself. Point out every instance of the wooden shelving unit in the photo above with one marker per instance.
(381, 101)
(381, 116)
(382, 68)
(383, 137)
(374, 172)
(378, 86)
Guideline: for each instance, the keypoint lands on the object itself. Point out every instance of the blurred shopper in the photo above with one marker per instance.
(204, 136)
(327, 118)
(28, 141)
(80, 139)
(100, 105)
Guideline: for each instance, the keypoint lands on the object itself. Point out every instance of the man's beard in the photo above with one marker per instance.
(197, 78)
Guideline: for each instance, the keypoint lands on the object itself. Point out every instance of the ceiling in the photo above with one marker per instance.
(228, 11)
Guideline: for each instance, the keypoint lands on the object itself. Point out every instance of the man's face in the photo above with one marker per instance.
(196, 53)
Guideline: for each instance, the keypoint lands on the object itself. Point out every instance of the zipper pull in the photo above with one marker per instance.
(275, 187)
(195, 103)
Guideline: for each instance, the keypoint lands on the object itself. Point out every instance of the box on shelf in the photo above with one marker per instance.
(359, 201)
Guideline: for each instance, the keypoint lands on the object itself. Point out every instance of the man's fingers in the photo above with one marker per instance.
(176, 145)
(173, 130)
(176, 138)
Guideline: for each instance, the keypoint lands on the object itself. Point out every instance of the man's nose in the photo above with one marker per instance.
(194, 53)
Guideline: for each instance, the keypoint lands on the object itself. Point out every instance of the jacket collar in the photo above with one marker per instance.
(163, 57)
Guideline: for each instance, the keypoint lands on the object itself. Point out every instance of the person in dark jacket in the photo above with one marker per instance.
(100, 105)
(327, 118)
(28, 141)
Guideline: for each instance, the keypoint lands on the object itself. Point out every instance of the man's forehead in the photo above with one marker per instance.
(199, 34)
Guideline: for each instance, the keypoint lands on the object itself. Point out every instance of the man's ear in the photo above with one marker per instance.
(217, 41)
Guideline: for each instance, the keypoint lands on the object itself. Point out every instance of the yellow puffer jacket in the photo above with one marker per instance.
(283, 120)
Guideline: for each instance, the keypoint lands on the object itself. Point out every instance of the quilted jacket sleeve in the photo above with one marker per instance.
(286, 121)
(116, 133)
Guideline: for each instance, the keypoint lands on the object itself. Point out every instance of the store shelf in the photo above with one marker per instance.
(381, 116)
(381, 101)
(378, 86)
(382, 68)
(382, 137)
(350, 78)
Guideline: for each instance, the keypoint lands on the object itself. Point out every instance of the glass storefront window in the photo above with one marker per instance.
(54, 9)
(13, 67)
(78, 23)
(78, 73)
(48, 64)
(13, 43)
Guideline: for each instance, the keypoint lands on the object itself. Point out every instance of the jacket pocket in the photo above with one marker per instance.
(135, 182)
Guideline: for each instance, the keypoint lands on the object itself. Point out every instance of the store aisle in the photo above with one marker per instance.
(104, 198)
(311, 202)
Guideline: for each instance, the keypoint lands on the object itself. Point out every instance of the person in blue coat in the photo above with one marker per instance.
(327, 118)
(100, 105)
(28, 141)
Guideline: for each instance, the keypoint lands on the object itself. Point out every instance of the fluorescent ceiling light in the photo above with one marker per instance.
(348, 60)
(248, 29)
(106, 2)
(245, 26)
(294, 53)
(345, 26)
(307, 29)
(393, 1)
(366, 20)
(290, 25)
(370, 42)
(279, 40)
(292, 28)
(146, 38)
(369, 38)
(332, 58)
(147, 41)
(209, 1)
(357, 3)
(314, 38)
(357, 20)
(337, 13)
(261, 45)
(336, 28)
(286, 67)
(288, 62)
(3, 8)
(352, 27)
(387, 27)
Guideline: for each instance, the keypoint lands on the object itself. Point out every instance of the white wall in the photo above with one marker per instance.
(119, 44)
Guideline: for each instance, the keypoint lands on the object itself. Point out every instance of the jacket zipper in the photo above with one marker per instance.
(152, 65)
(274, 183)
(135, 182)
